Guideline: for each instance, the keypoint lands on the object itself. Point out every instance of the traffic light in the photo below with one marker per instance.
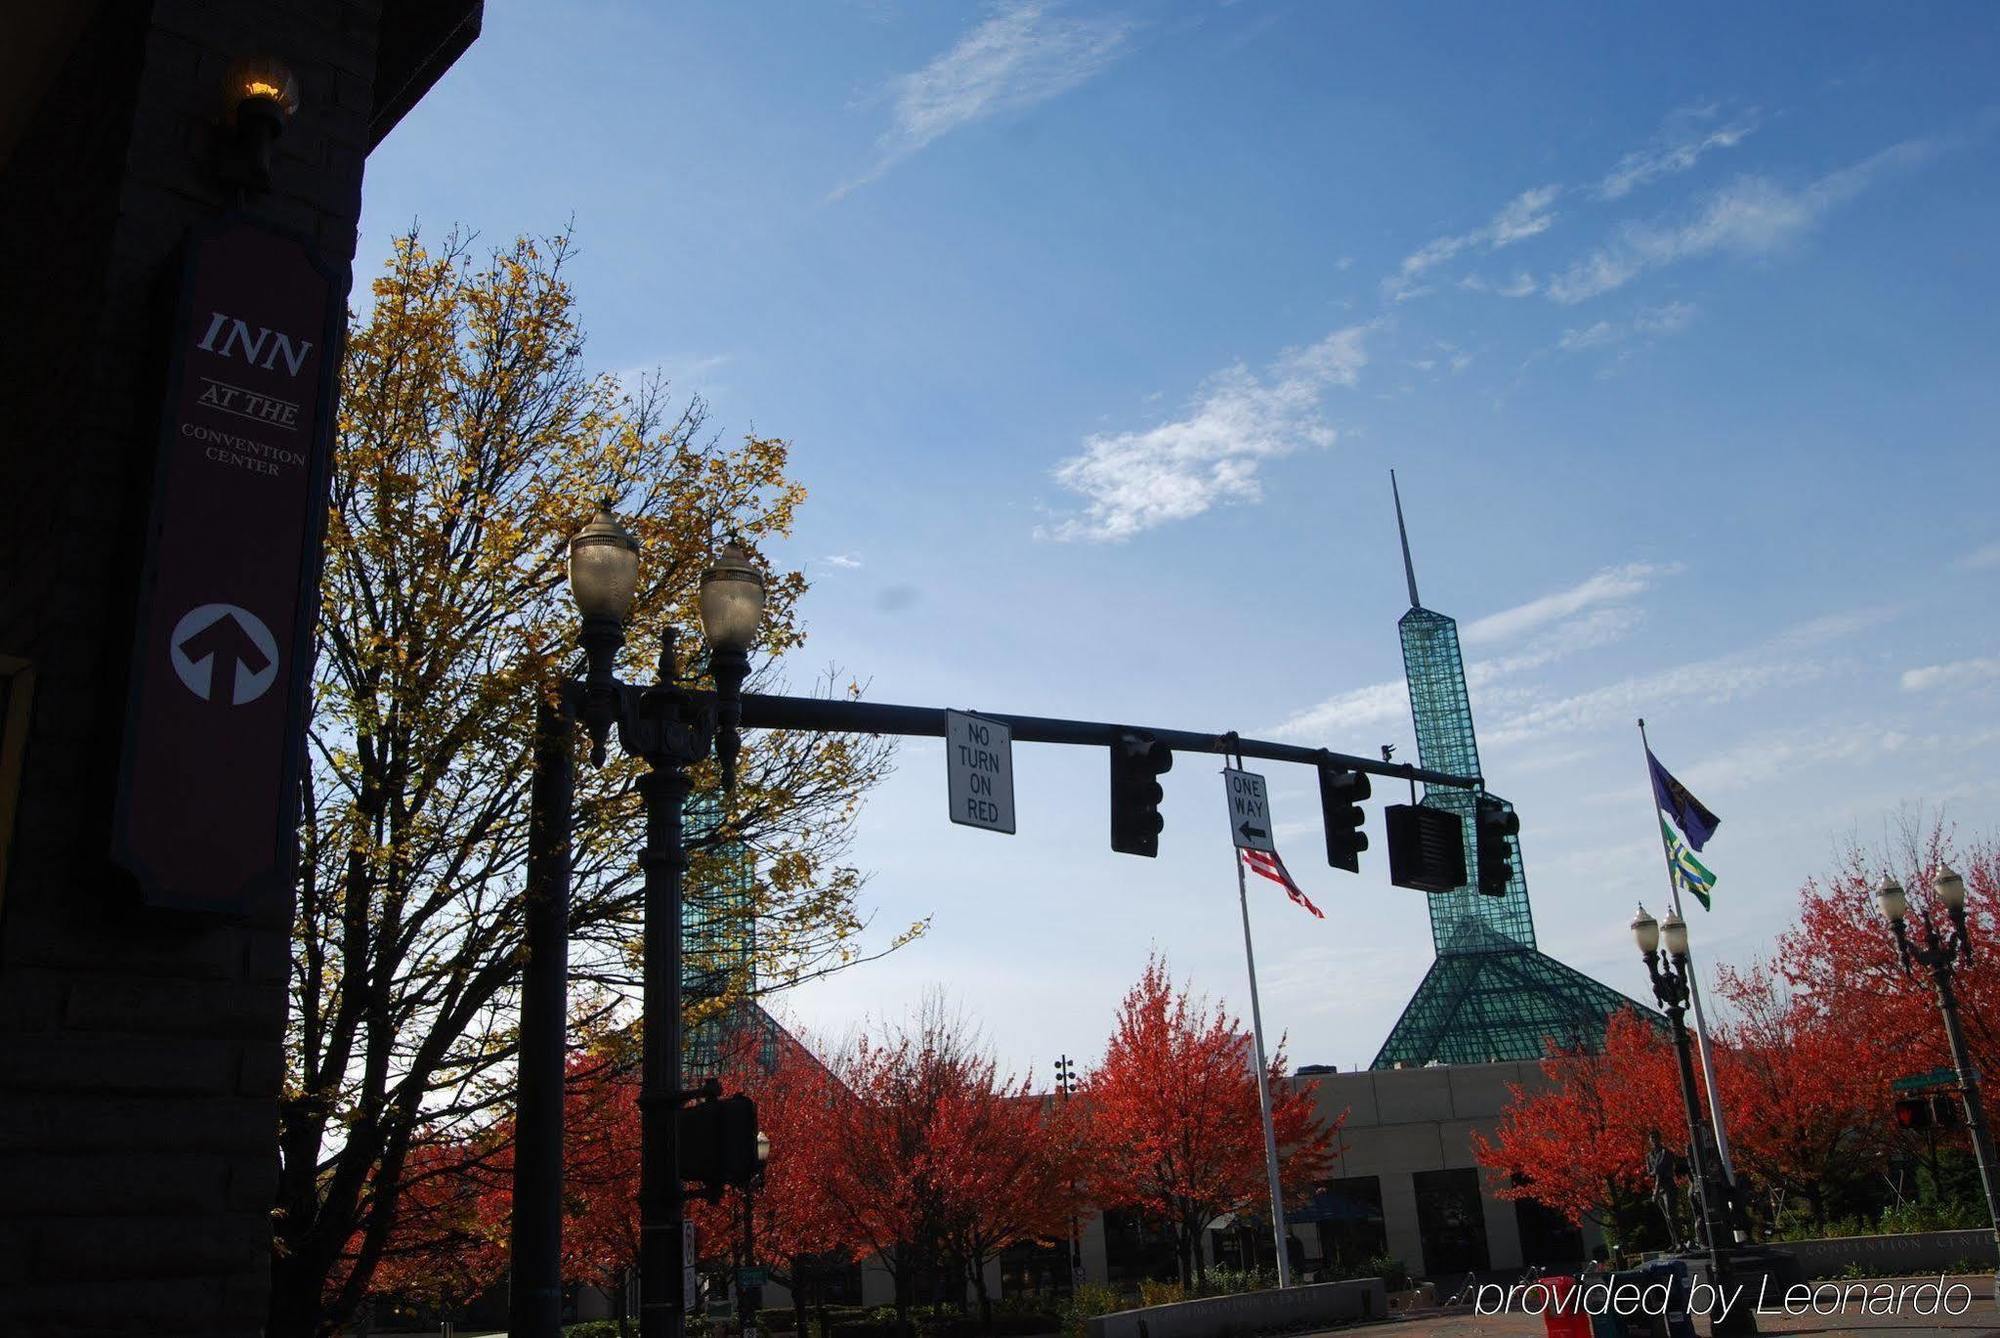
(1136, 759)
(1426, 847)
(1913, 1112)
(1495, 824)
(1946, 1112)
(718, 1142)
(1066, 1076)
(1340, 796)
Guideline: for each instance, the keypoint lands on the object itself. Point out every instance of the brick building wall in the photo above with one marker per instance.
(140, 1052)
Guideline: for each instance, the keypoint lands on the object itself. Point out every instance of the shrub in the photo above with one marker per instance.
(1158, 1293)
(1231, 1281)
(1088, 1300)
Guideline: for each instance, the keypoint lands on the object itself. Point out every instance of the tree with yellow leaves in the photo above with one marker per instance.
(472, 442)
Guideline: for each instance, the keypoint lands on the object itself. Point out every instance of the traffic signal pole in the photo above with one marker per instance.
(672, 727)
(823, 715)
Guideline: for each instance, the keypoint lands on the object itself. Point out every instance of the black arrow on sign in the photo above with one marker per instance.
(229, 641)
(1249, 832)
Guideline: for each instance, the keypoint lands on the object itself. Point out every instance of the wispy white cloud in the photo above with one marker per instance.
(682, 371)
(1981, 559)
(1610, 586)
(1135, 481)
(1688, 135)
(1777, 754)
(1957, 674)
(1021, 56)
(1648, 322)
(844, 561)
(1794, 656)
(1589, 614)
(1753, 216)
(1523, 284)
(1526, 215)
(1345, 712)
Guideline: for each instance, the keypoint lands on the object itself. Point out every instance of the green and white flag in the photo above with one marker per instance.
(1694, 875)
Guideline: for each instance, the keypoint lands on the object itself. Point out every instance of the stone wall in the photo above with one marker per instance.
(140, 1053)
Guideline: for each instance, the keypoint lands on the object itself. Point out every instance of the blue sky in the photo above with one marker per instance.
(1098, 328)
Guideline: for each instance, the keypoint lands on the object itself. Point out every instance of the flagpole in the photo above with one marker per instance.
(1694, 983)
(1279, 1231)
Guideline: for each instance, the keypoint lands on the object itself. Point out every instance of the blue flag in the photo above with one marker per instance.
(1688, 812)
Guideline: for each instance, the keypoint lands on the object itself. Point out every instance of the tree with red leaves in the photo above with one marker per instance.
(942, 1162)
(1174, 1119)
(1840, 959)
(1806, 1052)
(601, 1153)
(445, 1246)
(1579, 1144)
(1804, 1091)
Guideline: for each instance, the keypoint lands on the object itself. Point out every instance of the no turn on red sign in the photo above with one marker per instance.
(979, 769)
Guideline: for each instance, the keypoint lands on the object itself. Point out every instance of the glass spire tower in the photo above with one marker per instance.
(1490, 995)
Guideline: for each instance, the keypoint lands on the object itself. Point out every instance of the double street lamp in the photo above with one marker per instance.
(1940, 955)
(750, 1298)
(1671, 986)
(671, 728)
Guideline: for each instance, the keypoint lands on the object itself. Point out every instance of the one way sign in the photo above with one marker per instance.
(1249, 810)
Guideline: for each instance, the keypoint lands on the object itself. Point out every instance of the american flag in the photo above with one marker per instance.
(1267, 863)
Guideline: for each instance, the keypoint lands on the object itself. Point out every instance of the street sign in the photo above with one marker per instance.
(979, 768)
(690, 1280)
(747, 1278)
(206, 811)
(1917, 1082)
(1249, 810)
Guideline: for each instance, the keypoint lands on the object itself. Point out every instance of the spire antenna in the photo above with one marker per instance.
(1409, 571)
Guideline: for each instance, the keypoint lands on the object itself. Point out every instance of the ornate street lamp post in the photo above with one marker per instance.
(671, 729)
(1941, 955)
(750, 1299)
(1671, 988)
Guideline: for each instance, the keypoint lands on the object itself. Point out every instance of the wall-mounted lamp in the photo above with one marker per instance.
(259, 97)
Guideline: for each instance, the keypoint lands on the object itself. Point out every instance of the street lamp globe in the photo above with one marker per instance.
(1890, 897)
(1950, 889)
(732, 599)
(1646, 932)
(1674, 933)
(604, 567)
(763, 1147)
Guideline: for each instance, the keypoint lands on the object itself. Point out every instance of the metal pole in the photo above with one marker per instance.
(1694, 993)
(1697, 1156)
(535, 1291)
(746, 1306)
(661, 1202)
(1968, 1086)
(1278, 1231)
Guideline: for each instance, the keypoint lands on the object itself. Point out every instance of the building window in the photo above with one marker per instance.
(1450, 1222)
(1548, 1239)
(1035, 1268)
(1135, 1250)
(1348, 1215)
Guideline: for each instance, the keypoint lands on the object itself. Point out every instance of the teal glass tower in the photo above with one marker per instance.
(719, 948)
(1490, 995)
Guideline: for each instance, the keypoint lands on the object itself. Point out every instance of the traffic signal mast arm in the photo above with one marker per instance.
(824, 716)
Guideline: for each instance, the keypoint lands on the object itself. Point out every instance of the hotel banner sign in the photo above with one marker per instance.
(207, 800)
